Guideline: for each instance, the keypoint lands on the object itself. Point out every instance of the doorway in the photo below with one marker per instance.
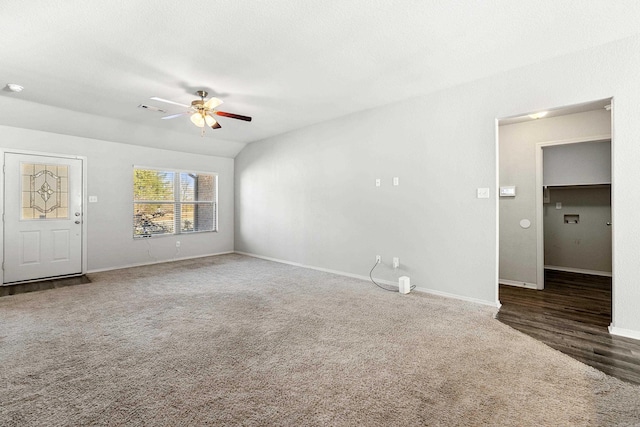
(573, 207)
(568, 132)
(43, 227)
(520, 146)
(567, 306)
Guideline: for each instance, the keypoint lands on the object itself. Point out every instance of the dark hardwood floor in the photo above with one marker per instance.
(41, 285)
(571, 315)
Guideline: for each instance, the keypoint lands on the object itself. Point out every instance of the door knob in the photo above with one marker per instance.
(608, 224)
(77, 213)
(77, 221)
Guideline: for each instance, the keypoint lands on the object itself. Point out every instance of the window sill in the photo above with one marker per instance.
(185, 233)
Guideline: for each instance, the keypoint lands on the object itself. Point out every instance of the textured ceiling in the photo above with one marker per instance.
(288, 64)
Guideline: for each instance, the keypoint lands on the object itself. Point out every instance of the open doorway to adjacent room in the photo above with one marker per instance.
(556, 279)
(555, 194)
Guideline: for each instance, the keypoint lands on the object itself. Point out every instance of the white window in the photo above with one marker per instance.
(173, 202)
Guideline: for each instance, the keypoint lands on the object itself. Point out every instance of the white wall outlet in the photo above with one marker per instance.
(396, 262)
(93, 199)
(378, 182)
(558, 205)
(178, 244)
(378, 259)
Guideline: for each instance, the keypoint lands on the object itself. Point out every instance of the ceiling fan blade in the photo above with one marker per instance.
(173, 116)
(155, 98)
(216, 126)
(233, 116)
(212, 103)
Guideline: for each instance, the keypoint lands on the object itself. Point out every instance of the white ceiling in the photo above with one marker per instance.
(289, 64)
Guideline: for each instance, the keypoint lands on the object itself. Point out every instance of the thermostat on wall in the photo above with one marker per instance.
(508, 191)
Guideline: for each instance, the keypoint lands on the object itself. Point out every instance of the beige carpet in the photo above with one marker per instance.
(233, 340)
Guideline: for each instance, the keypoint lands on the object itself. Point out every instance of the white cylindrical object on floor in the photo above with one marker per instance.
(404, 285)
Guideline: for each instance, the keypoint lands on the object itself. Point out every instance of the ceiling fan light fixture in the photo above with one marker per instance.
(197, 119)
(212, 103)
(210, 120)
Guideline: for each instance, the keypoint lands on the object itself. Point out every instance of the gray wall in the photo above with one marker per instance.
(308, 196)
(110, 175)
(517, 144)
(587, 244)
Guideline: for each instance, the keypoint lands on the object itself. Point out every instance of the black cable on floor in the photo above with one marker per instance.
(376, 283)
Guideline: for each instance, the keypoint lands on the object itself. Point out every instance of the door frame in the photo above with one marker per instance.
(84, 217)
(540, 199)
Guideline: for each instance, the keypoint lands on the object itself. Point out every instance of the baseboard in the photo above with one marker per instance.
(142, 264)
(456, 296)
(518, 284)
(578, 270)
(311, 267)
(366, 278)
(627, 333)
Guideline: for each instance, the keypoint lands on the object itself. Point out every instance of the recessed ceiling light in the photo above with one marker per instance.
(539, 115)
(14, 87)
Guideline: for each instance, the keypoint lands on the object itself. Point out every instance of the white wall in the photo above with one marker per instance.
(518, 246)
(110, 174)
(308, 196)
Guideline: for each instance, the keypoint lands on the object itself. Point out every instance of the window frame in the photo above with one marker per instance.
(177, 203)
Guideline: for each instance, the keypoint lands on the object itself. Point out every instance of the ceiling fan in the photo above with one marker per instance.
(202, 112)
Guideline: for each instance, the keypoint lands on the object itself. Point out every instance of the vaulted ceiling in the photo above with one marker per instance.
(86, 66)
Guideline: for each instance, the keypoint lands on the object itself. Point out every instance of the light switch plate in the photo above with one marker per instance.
(396, 181)
(377, 182)
(483, 193)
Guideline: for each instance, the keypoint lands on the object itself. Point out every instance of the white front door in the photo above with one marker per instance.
(42, 217)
